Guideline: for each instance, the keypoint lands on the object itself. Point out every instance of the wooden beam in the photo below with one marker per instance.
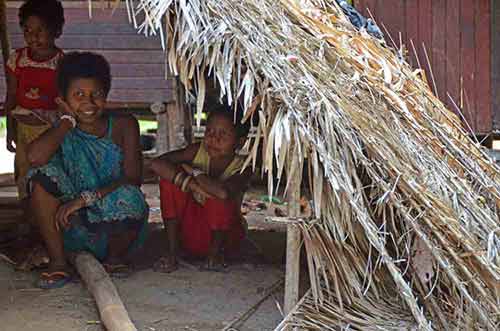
(289, 316)
(111, 308)
(495, 64)
(173, 124)
(4, 35)
(292, 276)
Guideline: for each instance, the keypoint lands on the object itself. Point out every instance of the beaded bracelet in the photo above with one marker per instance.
(185, 183)
(90, 197)
(178, 178)
(70, 118)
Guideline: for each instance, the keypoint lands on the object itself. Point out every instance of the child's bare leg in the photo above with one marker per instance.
(44, 207)
(169, 263)
(173, 241)
(216, 254)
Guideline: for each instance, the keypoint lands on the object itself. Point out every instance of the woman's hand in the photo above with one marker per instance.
(64, 107)
(11, 142)
(11, 134)
(199, 194)
(65, 211)
(187, 168)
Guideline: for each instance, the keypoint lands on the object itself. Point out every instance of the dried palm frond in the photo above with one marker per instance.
(391, 168)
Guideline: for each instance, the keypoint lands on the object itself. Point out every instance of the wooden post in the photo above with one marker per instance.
(113, 313)
(171, 123)
(162, 142)
(495, 65)
(293, 246)
(4, 35)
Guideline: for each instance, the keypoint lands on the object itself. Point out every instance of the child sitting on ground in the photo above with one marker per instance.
(86, 173)
(31, 81)
(201, 190)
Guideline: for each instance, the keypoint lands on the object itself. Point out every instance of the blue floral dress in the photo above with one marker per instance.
(86, 162)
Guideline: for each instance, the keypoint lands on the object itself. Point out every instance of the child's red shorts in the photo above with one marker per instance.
(196, 221)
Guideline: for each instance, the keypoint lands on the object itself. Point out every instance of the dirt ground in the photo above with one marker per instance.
(187, 300)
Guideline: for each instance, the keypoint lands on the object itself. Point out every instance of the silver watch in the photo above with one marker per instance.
(197, 172)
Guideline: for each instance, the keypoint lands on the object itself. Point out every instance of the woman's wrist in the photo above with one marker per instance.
(179, 178)
(185, 186)
(68, 119)
(90, 197)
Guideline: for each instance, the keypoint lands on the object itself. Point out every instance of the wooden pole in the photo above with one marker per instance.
(111, 308)
(173, 122)
(4, 35)
(293, 246)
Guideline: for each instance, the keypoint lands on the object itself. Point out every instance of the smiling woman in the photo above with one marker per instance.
(87, 170)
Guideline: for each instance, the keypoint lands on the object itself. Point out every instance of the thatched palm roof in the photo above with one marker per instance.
(394, 177)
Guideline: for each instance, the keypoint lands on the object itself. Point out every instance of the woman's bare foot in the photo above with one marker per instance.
(56, 276)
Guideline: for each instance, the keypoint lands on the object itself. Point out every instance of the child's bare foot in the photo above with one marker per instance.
(215, 263)
(116, 269)
(166, 264)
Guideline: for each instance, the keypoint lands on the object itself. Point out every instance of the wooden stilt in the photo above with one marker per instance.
(113, 313)
(171, 124)
(4, 35)
(162, 142)
(292, 248)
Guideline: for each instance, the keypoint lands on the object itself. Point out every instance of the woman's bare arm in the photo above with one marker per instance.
(9, 104)
(132, 153)
(228, 189)
(41, 150)
(166, 165)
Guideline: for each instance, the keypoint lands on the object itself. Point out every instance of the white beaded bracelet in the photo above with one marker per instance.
(90, 197)
(69, 118)
(196, 172)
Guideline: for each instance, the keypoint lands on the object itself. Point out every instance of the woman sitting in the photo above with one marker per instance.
(86, 173)
(201, 190)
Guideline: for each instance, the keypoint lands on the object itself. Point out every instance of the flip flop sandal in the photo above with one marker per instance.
(163, 266)
(52, 280)
(120, 271)
(218, 267)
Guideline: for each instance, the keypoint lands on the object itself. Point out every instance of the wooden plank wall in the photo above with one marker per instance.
(137, 63)
(495, 63)
(456, 36)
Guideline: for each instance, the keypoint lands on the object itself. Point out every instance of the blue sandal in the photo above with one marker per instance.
(52, 280)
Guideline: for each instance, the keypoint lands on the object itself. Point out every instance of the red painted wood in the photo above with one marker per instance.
(133, 56)
(468, 60)
(86, 28)
(369, 6)
(456, 35)
(412, 23)
(484, 119)
(137, 63)
(438, 50)
(133, 41)
(495, 64)
(81, 15)
(393, 20)
(141, 95)
(453, 69)
(361, 5)
(127, 83)
(425, 35)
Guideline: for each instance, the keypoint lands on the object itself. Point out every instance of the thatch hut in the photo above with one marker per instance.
(405, 231)
(394, 177)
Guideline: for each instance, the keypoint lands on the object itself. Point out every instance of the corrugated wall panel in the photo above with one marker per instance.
(457, 37)
(133, 57)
